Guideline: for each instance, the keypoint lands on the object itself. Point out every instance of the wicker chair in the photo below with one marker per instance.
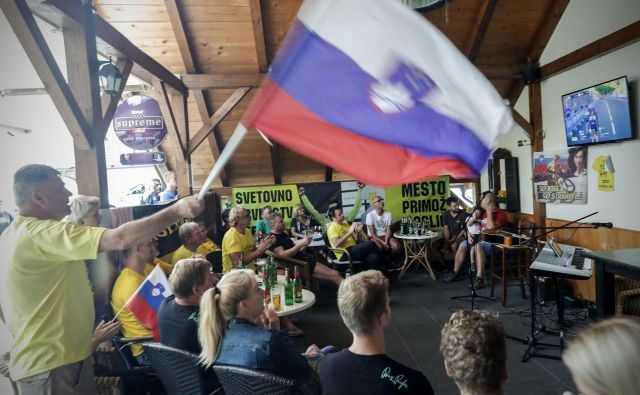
(290, 263)
(241, 381)
(627, 297)
(4, 370)
(178, 370)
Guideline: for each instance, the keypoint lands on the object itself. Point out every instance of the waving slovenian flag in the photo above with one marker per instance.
(145, 302)
(372, 89)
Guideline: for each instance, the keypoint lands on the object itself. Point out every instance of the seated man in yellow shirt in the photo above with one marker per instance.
(130, 278)
(238, 241)
(193, 236)
(343, 235)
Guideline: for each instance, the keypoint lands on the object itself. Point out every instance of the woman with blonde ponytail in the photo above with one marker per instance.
(229, 331)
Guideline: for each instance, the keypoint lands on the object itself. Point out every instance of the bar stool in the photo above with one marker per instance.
(521, 259)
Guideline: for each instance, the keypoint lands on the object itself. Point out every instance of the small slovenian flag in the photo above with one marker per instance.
(145, 302)
(372, 89)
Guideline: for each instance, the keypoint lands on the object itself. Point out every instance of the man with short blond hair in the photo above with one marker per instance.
(363, 301)
(45, 293)
(475, 353)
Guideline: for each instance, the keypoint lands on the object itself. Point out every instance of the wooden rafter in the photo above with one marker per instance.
(110, 42)
(166, 107)
(616, 40)
(217, 81)
(216, 118)
(258, 34)
(24, 25)
(275, 163)
(480, 28)
(524, 124)
(543, 35)
(177, 23)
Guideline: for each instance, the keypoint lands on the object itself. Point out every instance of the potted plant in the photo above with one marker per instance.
(501, 198)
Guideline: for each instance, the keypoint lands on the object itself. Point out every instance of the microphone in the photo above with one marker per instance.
(601, 224)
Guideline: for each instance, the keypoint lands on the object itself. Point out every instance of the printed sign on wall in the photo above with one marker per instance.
(422, 201)
(561, 176)
(281, 198)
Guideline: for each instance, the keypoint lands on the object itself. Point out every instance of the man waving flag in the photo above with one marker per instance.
(372, 89)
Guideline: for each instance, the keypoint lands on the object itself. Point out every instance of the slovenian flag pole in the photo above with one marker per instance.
(228, 150)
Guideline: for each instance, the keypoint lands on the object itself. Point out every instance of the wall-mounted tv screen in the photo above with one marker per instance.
(598, 114)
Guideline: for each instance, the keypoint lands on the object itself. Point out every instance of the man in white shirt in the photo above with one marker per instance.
(379, 226)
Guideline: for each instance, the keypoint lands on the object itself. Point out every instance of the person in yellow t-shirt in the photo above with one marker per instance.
(193, 236)
(128, 281)
(238, 241)
(343, 235)
(45, 294)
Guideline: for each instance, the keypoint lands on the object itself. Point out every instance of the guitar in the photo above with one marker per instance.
(498, 237)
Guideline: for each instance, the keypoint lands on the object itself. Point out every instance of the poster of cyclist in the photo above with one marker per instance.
(561, 176)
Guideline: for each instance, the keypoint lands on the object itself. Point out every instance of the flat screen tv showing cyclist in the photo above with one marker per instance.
(598, 114)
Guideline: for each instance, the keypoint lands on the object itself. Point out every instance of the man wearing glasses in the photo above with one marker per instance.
(379, 226)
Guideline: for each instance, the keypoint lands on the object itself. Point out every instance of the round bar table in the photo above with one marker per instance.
(416, 249)
(308, 299)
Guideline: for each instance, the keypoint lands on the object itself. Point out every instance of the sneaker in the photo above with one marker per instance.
(478, 283)
(453, 276)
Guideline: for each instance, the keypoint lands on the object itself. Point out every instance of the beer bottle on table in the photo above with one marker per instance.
(241, 261)
(288, 289)
(298, 285)
(267, 289)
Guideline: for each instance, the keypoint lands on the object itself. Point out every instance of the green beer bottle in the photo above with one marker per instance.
(298, 285)
(288, 289)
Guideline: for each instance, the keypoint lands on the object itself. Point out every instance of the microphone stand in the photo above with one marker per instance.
(531, 340)
(473, 295)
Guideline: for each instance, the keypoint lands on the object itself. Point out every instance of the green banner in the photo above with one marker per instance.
(281, 198)
(421, 201)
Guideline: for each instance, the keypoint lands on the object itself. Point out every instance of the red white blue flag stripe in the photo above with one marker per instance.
(373, 90)
(145, 302)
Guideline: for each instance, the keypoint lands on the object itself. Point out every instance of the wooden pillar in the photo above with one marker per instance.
(82, 74)
(537, 140)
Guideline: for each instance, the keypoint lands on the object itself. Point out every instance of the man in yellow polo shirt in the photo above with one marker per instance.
(128, 281)
(343, 235)
(238, 241)
(44, 289)
(193, 237)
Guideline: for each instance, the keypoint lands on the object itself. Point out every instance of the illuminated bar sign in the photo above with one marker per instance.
(138, 123)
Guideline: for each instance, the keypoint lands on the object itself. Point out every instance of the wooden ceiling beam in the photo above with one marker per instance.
(258, 35)
(180, 31)
(23, 23)
(110, 42)
(217, 81)
(549, 24)
(480, 27)
(216, 118)
(616, 40)
(501, 72)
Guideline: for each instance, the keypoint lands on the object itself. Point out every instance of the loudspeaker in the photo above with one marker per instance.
(546, 289)
(530, 73)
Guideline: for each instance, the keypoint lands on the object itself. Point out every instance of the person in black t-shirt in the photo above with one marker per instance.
(475, 352)
(284, 246)
(453, 220)
(178, 315)
(363, 301)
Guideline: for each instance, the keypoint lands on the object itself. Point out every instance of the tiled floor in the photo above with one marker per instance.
(420, 306)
